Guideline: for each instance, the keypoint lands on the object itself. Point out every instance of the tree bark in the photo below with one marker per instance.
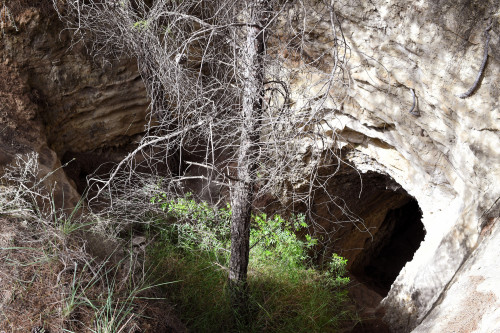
(242, 192)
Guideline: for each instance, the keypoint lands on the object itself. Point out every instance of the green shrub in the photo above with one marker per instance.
(193, 225)
(274, 241)
(287, 294)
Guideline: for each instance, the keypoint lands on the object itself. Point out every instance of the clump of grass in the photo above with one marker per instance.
(287, 293)
(49, 280)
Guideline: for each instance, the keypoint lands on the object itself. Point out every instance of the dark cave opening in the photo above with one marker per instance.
(392, 246)
(79, 166)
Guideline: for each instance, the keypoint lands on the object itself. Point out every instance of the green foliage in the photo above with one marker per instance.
(275, 242)
(287, 294)
(192, 225)
(141, 25)
(336, 271)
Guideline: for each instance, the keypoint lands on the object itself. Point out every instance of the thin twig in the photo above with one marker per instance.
(141, 147)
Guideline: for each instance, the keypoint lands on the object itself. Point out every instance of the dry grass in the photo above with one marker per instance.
(49, 280)
(51, 277)
(31, 290)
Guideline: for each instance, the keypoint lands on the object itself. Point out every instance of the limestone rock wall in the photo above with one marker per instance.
(448, 158)
(471, 303)
(22, 132)
(84, 102)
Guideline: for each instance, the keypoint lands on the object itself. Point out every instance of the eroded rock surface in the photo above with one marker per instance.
(56, 98)
(448, 158)
(472, 302)
(22, 132)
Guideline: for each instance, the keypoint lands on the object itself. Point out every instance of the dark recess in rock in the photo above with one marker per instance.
(393, 245)
(79, 166)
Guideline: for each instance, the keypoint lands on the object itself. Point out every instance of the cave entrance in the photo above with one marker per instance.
(392, 246)
(389, 235)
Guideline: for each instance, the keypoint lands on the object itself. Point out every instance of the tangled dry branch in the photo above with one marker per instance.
(191, 57)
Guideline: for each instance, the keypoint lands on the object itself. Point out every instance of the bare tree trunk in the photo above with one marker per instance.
(242, 192)
(197, 99)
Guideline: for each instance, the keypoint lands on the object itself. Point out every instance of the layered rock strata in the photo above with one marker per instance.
(57, 99)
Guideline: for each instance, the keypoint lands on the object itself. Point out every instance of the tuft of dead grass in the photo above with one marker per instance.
(51, 280)
(31, 287)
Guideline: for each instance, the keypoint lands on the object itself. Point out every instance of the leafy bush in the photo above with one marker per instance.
(275, 242)
(287, 293)
(193, 225)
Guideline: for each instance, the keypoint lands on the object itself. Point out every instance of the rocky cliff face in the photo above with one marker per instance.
(447, 158)
(440, 169)
(56, 98)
